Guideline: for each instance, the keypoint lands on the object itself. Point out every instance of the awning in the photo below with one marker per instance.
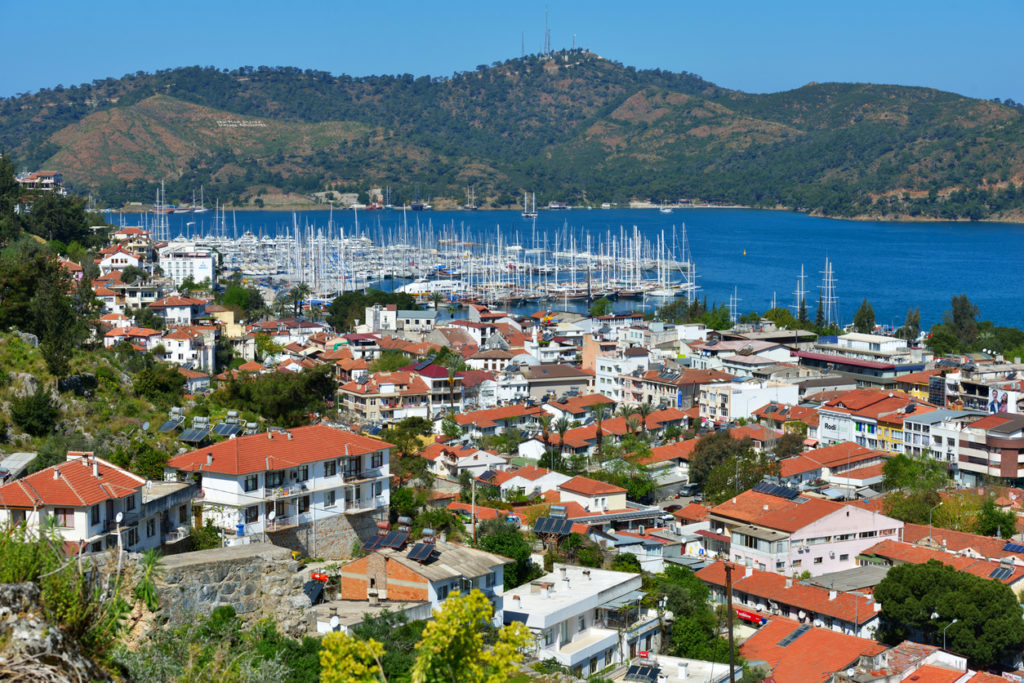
(712, 535)
(623, 600)
(810, 442)
(752, 617)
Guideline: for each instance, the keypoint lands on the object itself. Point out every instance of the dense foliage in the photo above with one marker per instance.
(286, 399)
(502, 538)
(989, 624)
(694, 631)
(351, 306)
(565, 124)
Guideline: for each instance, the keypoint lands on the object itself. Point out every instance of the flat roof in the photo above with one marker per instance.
(848, 580)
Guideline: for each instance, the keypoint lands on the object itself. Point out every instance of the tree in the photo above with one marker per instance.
(142, 458)
(911, 325)
(56, 323)
(819, 317)
(562, 425)
(600, 307)
(864, 318)
(36, 413)
(390, 360)
(801, 317)
(449, 427)
(288, 399)
(345, 658)
(298, 294)
(741, 471)
(131, 274)
(159, 382)
(788, 445)
(988, 626)
(993, 521)
(962, 321)
(626, 562)
(599, 411)
(452, 647)
(502, 538)
(711, 451)
(401, 636)
(436, 298)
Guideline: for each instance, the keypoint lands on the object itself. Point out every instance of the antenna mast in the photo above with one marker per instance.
(733, 305)
(547, 34)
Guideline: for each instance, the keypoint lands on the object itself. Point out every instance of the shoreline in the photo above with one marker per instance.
(1018, 220)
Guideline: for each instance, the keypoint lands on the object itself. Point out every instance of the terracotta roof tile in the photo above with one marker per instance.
(590, 487)
(76, 485)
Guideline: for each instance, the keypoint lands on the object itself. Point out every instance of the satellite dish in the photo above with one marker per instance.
(335, 621)
(145, 426)
(119, 517)
(271, 515)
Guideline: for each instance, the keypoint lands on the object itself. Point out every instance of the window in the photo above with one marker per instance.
(251, 482)
(94, 514)
(303, 472)
(130, 502)
(329, 499)
(182, 514)
(378, 488)
(252, 514)
(150, 528)
(844, 557)
(304, 504)
(442, 592)
(274, 479)
(65, 517)
(378, 460)
(581, 623)
(133, 536)
(796, 563)
(491, 580)
(817, 560)
(330, 468)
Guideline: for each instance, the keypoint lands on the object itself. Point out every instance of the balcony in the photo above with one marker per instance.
(284, 491)
(586, 644)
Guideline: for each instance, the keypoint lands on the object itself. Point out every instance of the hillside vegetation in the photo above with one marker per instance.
(570, 126)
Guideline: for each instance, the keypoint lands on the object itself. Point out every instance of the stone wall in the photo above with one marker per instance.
(331, 538)
(258, 580)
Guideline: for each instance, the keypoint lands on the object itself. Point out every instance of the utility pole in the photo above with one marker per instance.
(472, 497)
(728, 602)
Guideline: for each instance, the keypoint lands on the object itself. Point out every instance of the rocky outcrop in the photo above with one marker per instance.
(31, 648)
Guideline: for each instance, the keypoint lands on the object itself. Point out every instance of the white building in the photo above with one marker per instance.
(181, 260)
(301, 475)
(728, 401)
(585, 619)
(609, 370)
(85, 494)
(178, 310)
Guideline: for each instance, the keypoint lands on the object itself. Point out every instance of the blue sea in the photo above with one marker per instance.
(894, 266)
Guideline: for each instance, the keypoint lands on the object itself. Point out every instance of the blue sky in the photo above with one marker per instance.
(968, 48)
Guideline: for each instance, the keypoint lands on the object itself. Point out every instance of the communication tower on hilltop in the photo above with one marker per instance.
(547, 34)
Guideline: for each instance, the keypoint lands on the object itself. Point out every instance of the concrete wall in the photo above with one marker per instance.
(333, 537)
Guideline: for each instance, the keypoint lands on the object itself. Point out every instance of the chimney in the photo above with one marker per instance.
(289, 435)
(748, 571)
(517, 602)
(270, 434)
(545, 592)
(209, 459)
(832, 595)
(56, 474)
(95, 469)
(565, 572)
(877, 605)
(684, 670)
(586, 573)
(789, 582)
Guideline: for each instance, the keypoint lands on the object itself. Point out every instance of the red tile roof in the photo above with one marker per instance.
(752, 507)
(812, 657)
(76, 486)
(530, 473)
(578, 405)
(671, 451)
(905, 553)
(275, 451)
(694, 512)
(812, 599)
(959, 541)
(590, 487)
(492, 416)
(772, 411)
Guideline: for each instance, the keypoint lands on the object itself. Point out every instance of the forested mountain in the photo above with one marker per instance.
(570, 126)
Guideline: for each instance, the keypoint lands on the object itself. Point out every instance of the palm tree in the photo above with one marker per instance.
(562, 425)
(644, 409)
(632, 424)
(545, 422)
(625, 411)
(436, 298)
(452, 363)
(599, 411)
(297, 294)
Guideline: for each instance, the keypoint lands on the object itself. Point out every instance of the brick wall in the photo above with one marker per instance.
(391, 579)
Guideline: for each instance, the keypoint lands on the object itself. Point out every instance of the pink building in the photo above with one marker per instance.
(774, 529)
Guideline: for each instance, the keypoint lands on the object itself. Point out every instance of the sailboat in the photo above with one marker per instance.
(200, 208)
(529, 211)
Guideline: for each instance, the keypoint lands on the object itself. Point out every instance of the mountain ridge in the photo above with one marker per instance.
(571, 126)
